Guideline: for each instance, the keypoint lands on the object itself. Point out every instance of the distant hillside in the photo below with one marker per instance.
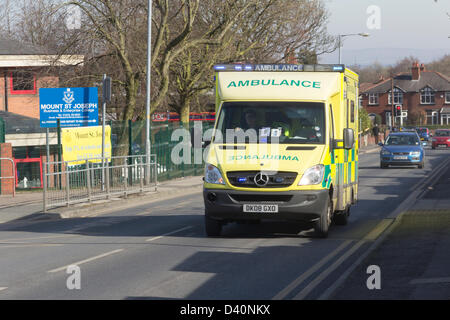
(383, 56)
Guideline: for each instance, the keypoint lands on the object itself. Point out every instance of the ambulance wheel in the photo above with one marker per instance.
(341, 218)
(322, 225)
(213, 227)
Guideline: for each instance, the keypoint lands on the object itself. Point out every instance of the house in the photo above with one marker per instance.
(422, 94)
(24, 68)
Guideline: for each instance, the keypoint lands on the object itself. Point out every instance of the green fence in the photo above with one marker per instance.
(128, 138)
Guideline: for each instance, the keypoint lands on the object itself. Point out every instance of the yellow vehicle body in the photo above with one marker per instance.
(331, 88)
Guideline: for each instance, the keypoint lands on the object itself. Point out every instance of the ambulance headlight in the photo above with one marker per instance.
(313, 175)
(213, 175)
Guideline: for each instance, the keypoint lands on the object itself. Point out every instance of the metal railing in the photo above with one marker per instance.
(71, 182)
(13, 171)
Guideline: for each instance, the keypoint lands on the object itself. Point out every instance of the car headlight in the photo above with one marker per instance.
(448, 140)
(213, 175)
(385, 152)
(415, 153)
(313, 175)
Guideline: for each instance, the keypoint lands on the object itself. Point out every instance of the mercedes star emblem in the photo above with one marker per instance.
(261, 179)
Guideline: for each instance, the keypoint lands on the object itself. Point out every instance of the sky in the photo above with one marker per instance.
(397, 28)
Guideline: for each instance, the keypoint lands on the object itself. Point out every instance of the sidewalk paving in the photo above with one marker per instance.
(30, 204)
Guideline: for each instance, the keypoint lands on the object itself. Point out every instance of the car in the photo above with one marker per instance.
(407, 129)
(402, 149)
(441, 138)
(424, 133)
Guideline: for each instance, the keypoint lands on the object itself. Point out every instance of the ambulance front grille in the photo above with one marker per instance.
(246, 179)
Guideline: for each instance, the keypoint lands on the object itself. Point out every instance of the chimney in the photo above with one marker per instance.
(415, 70)
(290, 56)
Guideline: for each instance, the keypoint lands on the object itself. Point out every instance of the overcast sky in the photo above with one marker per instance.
(421, 25)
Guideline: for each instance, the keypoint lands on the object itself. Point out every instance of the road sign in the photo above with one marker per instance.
(75, 107)
(107, 89)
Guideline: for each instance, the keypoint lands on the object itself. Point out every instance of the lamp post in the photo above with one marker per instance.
(147, 113)
(348, 35)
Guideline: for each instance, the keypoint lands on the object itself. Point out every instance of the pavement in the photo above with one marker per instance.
(28, 204)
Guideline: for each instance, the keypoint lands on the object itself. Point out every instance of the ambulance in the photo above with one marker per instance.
(284, 147)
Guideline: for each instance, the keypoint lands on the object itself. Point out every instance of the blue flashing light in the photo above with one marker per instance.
(237, 67)
(242, 179)
(338, 68)
(219, 67)
(248, 67)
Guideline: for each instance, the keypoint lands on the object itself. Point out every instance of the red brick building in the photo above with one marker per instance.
(419, 91)
(24, 68)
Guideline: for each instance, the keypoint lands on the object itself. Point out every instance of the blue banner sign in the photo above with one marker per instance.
(75, 107)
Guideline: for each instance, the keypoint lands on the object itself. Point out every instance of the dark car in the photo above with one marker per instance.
(424, 134)
(402, 148)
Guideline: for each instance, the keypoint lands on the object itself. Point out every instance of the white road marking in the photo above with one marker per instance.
(168, 234)
(313, 284)
(86, 260)
(430, 281)
(283, 293)
(3, 288)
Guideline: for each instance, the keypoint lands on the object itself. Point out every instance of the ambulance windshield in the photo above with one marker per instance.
(271, 122)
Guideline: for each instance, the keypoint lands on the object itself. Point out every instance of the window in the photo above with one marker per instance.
(271, 122)
(447, 97)
(432, 117)
(373, 98)
(22, 82)
(398, 96)
(427, 96)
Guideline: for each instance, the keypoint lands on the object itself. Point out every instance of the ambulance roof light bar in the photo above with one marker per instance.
(280, 67)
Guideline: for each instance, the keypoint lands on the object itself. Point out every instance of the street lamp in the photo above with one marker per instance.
(147, 111)
(348, 35)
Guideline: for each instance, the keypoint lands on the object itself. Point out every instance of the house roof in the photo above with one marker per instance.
(403, 81)
(15, 47)
(16, 54)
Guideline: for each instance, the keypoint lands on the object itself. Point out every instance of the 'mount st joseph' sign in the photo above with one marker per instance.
(75, 107)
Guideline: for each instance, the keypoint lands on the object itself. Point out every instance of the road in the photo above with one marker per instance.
(160, 251)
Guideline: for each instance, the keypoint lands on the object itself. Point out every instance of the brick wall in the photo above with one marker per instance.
(7, 185)
(25, 104)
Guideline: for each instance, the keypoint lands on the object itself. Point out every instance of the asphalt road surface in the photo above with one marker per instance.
(160, 251)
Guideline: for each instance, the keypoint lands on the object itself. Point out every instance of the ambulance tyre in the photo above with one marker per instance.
(322, 225)
(341, 218)
(213, 227)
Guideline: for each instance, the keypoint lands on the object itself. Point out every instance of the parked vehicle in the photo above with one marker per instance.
(402, 149)
(441, 138)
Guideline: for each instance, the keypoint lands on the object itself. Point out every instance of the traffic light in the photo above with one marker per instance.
(398, 111)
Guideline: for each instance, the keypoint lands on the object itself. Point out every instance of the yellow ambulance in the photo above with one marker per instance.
(284, 145)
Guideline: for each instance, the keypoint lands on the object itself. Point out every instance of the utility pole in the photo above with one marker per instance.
(392, 102)
(147, 114)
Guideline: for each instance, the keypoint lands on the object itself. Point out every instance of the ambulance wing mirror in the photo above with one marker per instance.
(349, 138)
